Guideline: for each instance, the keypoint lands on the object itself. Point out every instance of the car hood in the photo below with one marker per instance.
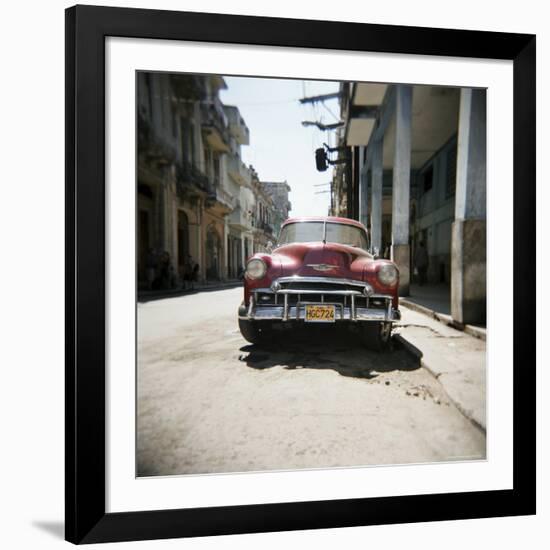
(321, 260)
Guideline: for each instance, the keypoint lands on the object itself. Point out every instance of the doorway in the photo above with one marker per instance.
(144, 244)
(213, 254)
(183, 242)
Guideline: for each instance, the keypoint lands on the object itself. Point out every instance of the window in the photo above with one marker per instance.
(428, 179)
(192, 155)
(207, 158)
(217, 170)
(313, 232)
(161, 103)
(450, 186)
(149, 94)
(184, 130)
(174, 121)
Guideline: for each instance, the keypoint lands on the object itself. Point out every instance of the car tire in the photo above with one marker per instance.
(252, 333)
(377, 336)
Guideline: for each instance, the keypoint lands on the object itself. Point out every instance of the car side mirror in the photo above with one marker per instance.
(376, 253)
(321, 160)
(269, 247)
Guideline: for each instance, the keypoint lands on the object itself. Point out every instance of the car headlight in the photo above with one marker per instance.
(256, 269)
(387, 274)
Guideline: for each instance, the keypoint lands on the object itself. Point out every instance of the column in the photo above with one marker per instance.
(468, 241)
(400, 249)
(161, 207)
(200, 239)
(238, 254)
(172, 216)
(363, 188)
(158, 217)
(377, 172)
(364, 197)
(225, 251)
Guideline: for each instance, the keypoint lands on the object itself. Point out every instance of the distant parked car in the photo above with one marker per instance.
(320, 272)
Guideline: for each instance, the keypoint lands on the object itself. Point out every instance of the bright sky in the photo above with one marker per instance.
(280, 147)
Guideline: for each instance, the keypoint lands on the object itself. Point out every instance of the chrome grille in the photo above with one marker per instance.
(288, 296)
(309, 290)
(320, 286)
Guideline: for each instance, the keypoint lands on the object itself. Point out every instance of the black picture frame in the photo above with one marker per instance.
(86, 30)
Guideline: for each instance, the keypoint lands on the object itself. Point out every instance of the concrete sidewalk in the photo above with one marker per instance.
(434, 300)
(456, 358)
(436, 297)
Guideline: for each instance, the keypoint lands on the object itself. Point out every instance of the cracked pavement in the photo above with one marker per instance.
(453, 357)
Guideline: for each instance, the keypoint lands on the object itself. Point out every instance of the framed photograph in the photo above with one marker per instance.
(299, 274)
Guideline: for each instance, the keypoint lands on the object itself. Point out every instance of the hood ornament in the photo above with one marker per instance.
(322, 267)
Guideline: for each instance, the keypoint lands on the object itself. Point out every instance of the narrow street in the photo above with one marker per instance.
(210, 402)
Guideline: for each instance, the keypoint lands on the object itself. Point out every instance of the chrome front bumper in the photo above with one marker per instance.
(289, 304)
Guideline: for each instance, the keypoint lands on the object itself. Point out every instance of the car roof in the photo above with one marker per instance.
(331, 219)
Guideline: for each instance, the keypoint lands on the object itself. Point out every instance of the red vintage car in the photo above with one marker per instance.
(320, 272)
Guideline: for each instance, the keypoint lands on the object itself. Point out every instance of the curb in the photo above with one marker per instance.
(413, 350)
(148, 296)
(476, 332)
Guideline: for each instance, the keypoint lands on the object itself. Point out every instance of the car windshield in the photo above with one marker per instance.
(303, 232)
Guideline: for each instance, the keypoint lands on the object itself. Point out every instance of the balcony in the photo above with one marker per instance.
(262, 227)
(151, 148)
(188, 176)
(238, 171)
(265, 227)
(188, 87)
(219, 199)
(239, 218)
(237, 127)
(215, 125)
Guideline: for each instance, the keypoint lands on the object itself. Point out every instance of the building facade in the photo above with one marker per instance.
(200, 211)
(415, 175)
(239, 223)
(264, 209)
(279, 190)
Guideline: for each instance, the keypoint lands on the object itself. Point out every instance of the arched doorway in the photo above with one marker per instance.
(213, 254)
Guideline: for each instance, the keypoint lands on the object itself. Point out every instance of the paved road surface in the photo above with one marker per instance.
(209, 402)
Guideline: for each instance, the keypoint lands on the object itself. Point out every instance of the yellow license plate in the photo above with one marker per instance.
(319, 314)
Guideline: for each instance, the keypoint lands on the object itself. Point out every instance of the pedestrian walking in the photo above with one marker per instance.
(188, 272)
(195, 275)
(166, 271)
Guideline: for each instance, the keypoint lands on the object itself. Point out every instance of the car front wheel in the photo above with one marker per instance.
(376, 336)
